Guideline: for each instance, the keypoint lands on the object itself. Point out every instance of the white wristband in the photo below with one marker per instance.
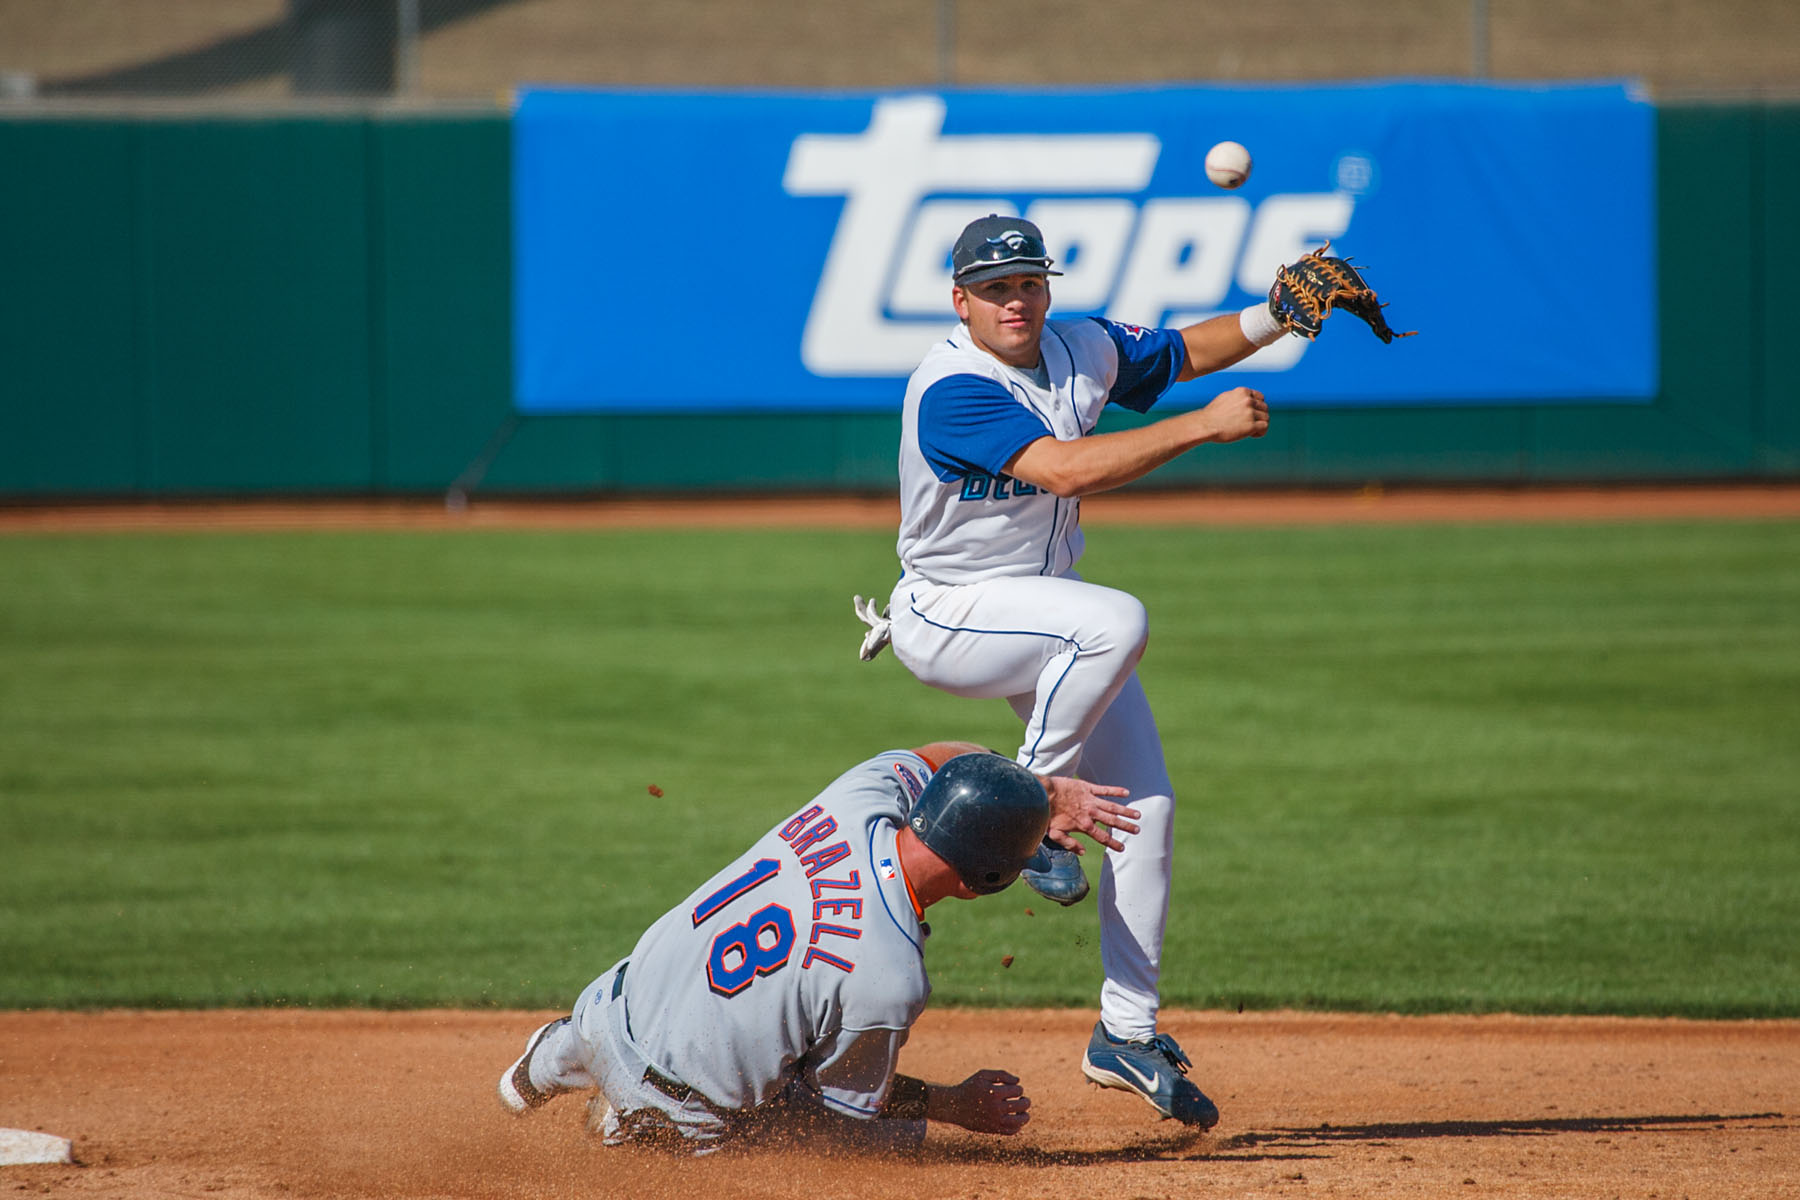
(1260, 325)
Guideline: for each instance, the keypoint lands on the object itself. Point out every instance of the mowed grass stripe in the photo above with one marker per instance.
(1421, 768)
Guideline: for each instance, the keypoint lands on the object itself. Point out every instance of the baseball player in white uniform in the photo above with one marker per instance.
(776, 997)
(997, 449)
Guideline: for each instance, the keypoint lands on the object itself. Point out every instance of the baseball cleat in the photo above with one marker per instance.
(1055, 874)
(1155, 1069)
(517, 1093)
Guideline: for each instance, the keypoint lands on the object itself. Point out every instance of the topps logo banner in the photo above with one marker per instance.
(1155, 261)
(681, 252)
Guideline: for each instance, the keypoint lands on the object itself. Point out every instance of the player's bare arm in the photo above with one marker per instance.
(1102, 461)
(1213, 345)
(1077, 806)
(985, 1102)
(939, 753)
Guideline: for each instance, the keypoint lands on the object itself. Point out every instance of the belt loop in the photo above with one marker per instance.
(619, 979)
(618, 990)
(680, 1092)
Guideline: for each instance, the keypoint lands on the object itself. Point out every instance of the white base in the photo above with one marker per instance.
(20, 1146)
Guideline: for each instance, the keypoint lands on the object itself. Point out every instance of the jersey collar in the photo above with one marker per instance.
(882, 846)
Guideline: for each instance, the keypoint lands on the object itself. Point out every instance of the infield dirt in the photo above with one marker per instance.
(1368, 505)
(294, 1103)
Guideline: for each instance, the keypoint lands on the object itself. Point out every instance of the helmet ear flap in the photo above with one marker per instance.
(984, 815)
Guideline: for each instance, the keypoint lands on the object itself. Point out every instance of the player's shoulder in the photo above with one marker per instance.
(1103, 331)
(901, 766)
(888, 783)
(949, 360)
(909, 770)
(1084, 329)
(944, 361)
(1085, 337)
(1090, 349)
(889, 988)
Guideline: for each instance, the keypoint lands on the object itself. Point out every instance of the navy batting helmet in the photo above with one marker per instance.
(995, 247)
(984, 815)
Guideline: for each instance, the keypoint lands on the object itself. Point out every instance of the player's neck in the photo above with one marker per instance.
(1032, 356)
(1036, 363)
(927, 877)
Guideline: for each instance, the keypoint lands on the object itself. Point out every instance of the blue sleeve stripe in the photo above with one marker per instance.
(1149, 362)
(854, 1110)
(969, 425)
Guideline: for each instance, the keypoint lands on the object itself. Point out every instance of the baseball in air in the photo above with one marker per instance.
(1228, 164)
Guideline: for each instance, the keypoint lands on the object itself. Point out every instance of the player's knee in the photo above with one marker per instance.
(1129, 623)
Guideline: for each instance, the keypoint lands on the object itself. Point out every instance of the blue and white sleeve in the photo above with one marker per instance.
(972, 425)
(1150, 360)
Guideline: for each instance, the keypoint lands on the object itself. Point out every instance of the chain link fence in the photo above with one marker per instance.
(254, 52)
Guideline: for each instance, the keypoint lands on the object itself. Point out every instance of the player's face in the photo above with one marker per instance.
(1005, 316)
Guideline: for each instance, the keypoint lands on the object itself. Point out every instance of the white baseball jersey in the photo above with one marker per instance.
(988, 603)
(967, 414)
(804, 958)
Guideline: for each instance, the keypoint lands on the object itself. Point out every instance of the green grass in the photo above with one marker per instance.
(1545, 769)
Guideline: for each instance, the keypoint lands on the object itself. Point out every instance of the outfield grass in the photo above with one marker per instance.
(1546, 769)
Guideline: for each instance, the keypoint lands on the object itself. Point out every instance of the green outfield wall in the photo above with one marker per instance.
(203, 306)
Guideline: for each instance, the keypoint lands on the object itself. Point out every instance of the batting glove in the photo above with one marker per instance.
(878, 636)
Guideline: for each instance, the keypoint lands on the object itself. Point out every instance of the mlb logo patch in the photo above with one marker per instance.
(886, 868)
(914, 784)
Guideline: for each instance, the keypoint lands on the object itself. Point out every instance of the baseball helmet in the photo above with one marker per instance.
(984, 815)
(994, 247)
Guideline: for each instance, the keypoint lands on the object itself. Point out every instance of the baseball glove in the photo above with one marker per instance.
(1306, 291)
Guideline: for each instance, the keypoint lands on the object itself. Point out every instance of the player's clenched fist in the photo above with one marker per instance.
(985, 1102)
(1240, 413)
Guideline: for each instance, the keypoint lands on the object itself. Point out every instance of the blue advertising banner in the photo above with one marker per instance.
(690, 252)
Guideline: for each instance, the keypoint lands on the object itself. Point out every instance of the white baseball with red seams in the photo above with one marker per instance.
(1228, 164)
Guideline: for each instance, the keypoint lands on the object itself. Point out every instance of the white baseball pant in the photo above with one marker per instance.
(1063, 653)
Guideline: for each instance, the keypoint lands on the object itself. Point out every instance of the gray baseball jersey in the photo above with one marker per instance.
(802, 959)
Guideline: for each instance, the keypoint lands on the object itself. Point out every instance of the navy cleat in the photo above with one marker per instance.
(1055, 874)
(518, 1095)
(1155, 1069)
